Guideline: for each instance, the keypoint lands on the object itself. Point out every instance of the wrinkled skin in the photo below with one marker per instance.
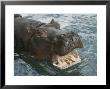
(43, 40)
(67, 42)
(22, 34)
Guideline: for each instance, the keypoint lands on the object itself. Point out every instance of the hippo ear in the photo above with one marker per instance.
(52, 21)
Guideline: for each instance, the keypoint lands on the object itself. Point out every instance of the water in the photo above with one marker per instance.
(86, 26)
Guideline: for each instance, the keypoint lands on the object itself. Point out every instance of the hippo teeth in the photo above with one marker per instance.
(66, 61)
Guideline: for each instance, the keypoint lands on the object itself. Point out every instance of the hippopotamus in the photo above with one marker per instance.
(43, 40)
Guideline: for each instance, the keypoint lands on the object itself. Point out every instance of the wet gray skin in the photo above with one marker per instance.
(42, 40)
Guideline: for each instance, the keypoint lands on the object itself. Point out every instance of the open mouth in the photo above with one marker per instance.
(66, 61)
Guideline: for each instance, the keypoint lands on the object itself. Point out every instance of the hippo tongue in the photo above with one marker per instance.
(63, 62)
